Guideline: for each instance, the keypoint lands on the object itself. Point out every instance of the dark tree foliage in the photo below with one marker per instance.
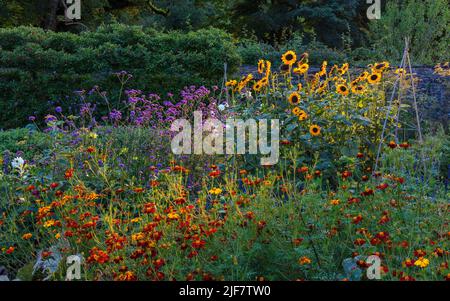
(327, 20)
(269, 20)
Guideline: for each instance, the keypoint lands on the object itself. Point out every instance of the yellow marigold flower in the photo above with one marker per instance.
(49, 223)
(91, 196)
(58, 235)
(289, 58)
(173, 215)
(137, 236)
(215, 191)
(422, 262)
(136, 220)
(314, 130)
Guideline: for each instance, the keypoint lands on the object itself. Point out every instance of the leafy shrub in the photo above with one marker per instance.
(24, 140)
(252, 51)
(38, 66)
(425, 22)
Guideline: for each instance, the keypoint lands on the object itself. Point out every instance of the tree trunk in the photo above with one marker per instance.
(51, 21)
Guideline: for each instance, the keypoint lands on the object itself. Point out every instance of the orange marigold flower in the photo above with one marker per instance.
(304, 260)
(27, 236)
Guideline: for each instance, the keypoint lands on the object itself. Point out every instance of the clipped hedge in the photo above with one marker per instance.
(40, 68)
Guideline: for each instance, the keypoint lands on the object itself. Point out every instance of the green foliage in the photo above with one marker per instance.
(252, 51)
(426, 22)
(277, 21)
(30, 142)
(39, 66)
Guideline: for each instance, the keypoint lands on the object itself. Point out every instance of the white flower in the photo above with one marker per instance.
(221, 107)
(18, 163)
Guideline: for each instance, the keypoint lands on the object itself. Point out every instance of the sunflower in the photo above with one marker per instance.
(268, 68)
(261, 66)
(294, 98)
(301, 69)
(302, 115)
(289, 58)
(380, 67)
(363, 76)
(374, 78)
(330, 73)
(354, 83)
(264, 81)
(321, 88)
(296, 111)
(342, 89)
(401, 72)
(257, 86)
(231, 83)
(344, 69)
(243, 83)
(359, 89)
(323, 70)
(314, 130)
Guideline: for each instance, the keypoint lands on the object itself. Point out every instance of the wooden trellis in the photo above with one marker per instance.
(406, 65)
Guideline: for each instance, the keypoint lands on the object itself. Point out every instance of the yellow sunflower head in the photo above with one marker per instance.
(322, 88)
(323, 69)
(374, 78)
(314, 130)
(359, 89)
(342, 89)
(401, 72)
(302, 115)
(296, 111)
(289, 58)
(231, 83)
(380, 67)
(257, 86)
(261, 66)
(344, 69)
(363, 76)
(264, 81)
(294, 98)
(268, 68)
(301, 69)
